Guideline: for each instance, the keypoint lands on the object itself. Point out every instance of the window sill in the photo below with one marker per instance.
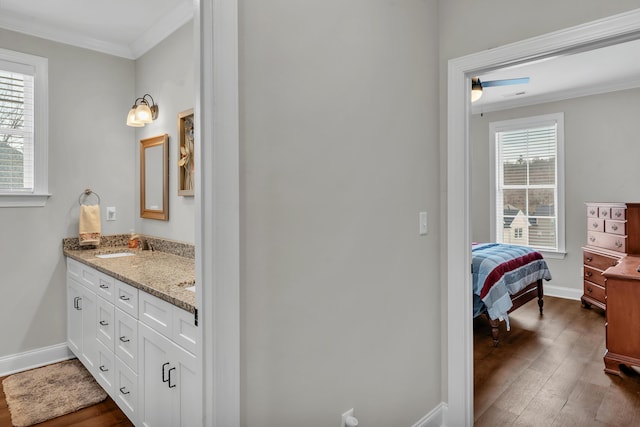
(23, 200)
(553, 254)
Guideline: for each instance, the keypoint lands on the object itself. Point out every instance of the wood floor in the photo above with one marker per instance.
(103, 414)
(548, 371)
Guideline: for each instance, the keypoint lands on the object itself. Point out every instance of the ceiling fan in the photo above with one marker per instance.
(477, 85)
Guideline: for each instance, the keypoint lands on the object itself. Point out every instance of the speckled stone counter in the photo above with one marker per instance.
(159, 273)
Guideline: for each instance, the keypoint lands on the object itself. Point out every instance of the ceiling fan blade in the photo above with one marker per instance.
(506, 82)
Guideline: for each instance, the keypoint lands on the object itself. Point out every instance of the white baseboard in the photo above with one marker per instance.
(34, 358)
(562, 292)
(435, 418)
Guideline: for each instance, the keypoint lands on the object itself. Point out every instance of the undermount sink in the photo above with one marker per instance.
(191, 288)
(115, 255)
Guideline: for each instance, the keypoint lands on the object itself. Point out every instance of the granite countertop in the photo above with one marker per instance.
(162, 274)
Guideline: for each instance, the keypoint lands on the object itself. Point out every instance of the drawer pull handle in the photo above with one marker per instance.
(103, 286)
(589, 259)
(76, 303)
(589, 289)
(171, 386)
(593, 239)
(124, 298)
(124, 339)
(164, 378)
(618, 214)
(604, 213)
(595, 225)
(592, 212)
(588, 274)
(614, 227)
(618, 244)
(103, 369)
(104, 323)
(123, 390)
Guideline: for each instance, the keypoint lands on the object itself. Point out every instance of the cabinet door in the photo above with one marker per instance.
(74, 316)
(89, 330)
(155, 396)
(188, 386)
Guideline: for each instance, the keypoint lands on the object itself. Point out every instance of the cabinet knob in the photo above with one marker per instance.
(592, 239)
(618, 244)
(595, 225)
(588, 274)
(589, 259)
(589, 289)
(614, 227)
(618, 214)
(592, 212)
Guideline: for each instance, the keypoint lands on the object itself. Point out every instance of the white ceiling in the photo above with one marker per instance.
(602, 70)
(126, 28)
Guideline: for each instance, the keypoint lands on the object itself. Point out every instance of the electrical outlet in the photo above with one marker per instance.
(348, 420)
(111, 213)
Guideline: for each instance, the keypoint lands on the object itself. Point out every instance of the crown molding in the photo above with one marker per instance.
(152, 36)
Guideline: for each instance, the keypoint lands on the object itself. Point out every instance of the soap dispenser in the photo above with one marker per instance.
(134, 240)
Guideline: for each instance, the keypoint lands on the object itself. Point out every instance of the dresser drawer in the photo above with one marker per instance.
(604, 212)
(594, 291)
(619, 213)
(599, 261)
(592, 211)
(593, 275)
(615, 227)
(607, 241)
(595, 224)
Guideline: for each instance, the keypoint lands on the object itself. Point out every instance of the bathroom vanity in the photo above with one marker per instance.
(132, 322)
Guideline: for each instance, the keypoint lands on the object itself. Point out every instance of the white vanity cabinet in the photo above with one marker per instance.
(168, 382)
(81, 316)
(139, 348)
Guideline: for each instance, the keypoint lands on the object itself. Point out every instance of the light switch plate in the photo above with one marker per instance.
(111, 213)
(422, 218)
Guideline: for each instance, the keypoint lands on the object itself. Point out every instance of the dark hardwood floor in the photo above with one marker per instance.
(103, 414)
(548, 371)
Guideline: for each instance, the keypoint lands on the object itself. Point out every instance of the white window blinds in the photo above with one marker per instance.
(527, 186)
(16, 127)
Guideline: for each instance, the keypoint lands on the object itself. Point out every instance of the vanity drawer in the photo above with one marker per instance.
(615, 227)
(106, 286)
(594, 291)
(593, 275)
(599, 261)
(126, 298)
(106, 323)
(106, 368)
(126, 339)
(82, 273)
(607, 241)
(125, 389)
(595, 224)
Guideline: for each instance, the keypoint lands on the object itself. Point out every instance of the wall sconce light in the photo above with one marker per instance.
(142, 112)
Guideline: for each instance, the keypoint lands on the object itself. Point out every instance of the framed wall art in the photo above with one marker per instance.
(185, 153)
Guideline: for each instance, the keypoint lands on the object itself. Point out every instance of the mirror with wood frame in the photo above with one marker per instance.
(154, 177)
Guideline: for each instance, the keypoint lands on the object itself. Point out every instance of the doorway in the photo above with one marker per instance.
(588, 36)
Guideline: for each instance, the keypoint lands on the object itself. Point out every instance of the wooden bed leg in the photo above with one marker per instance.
(540, 296)
(495, 330)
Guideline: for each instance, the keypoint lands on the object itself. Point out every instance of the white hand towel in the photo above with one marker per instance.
(89, 225)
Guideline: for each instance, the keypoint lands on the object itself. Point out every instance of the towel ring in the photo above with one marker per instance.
(86, 193)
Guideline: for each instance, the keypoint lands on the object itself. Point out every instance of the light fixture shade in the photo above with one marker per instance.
(476, 89)
(143, 114)
(131, 119)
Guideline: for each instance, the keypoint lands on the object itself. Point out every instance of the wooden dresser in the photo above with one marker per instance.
(612, 232)
(623, 316)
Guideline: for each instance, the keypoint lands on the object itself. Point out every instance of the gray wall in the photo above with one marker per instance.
(340, 299)
(166, 72)
(601, 164)
(89, 146)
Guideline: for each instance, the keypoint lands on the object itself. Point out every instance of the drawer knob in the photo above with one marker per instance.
(614, 227)
(588, 274)
(589, 259)
(618, 244)
(595, 225)
(591, 238)
(604, 213)
(592, 212)
(618, 214)
(589, 289)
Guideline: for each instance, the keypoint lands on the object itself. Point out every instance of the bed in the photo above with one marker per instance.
(504, 278)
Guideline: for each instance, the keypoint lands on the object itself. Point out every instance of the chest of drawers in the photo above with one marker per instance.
(612, 233)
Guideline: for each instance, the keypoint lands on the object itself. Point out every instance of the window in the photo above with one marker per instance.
(23, 129)
(528, 168)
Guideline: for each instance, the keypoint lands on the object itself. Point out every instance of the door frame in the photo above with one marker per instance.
(610, 30)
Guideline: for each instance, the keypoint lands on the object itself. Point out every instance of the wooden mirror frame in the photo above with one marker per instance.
(161, 214)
